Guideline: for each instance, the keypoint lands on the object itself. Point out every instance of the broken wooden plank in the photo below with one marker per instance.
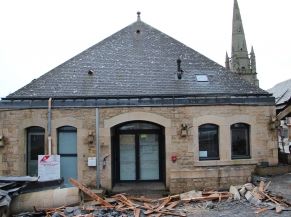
(173, 204)
(136, 212)
(188, 195)
(125, 200)
(267, 186)
(281, 200)
(215, 192)
(119, 205)
(148, 206)
(215, 197)
(176, 196)
(270, 198)
(261, 210)
(161, 206)
(90, 193)
(141, 199)
(262, 186)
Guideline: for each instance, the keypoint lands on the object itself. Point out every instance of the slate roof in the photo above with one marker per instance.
(281, 91)
(138, 60)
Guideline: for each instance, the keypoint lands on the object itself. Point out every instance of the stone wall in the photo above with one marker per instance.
(263, 144)
(13, 125)
(187, 169)
(211, 177)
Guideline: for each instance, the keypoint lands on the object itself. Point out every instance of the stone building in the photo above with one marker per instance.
(145, 107)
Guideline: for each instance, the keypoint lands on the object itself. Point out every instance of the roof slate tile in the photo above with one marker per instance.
(136, 64)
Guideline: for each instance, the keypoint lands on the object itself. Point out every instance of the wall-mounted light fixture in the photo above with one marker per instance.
(1, 140)
(184, 130)
(90, 137)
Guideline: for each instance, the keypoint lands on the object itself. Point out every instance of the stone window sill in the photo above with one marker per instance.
(225, 163)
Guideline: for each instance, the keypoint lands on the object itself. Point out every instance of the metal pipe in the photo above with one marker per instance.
(97, 150)
(49, 126)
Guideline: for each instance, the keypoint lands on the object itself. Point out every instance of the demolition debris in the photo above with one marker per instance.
(122, 205)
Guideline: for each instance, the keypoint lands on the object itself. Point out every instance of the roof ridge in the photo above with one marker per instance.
(139, 60)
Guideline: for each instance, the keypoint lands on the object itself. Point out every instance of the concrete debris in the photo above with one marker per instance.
(123, 205)
(188, 195)
(243, 191)
(249, 186)
(259, 195)
(53, 198)
(234, 191)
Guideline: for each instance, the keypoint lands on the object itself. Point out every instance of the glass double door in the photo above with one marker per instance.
(139, 157)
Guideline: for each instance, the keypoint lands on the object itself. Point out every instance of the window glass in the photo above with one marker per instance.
(202, 78)
(139, 126)
(208, 142)
(240, 145)
(35, 147)
(67, 149)
(67, 140)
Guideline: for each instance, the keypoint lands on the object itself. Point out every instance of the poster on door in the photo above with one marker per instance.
(49, 167)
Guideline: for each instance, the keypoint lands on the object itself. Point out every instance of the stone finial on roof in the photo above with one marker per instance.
(138, 15)
(253, 61)
(227, 61)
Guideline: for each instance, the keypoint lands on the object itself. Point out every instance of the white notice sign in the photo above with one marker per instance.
(202, 153)
(49, 167)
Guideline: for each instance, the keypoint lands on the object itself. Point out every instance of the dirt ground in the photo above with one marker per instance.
(280, 185)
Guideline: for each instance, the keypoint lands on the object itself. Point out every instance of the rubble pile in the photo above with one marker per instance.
(123, 205)
(260, 197)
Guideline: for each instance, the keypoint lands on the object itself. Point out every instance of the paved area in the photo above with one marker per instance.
(280, 185)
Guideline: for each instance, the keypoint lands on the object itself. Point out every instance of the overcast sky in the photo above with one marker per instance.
(38, 35)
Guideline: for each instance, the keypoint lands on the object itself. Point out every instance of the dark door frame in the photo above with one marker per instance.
(115, 145)
(33, 130)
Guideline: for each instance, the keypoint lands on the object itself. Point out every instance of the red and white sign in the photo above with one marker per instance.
(49, 167)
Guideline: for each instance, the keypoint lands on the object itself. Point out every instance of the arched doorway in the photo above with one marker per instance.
(138, 152)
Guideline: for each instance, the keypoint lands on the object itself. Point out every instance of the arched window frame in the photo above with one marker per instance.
(63, 129)
(208, 143)
(240, 141)
(37, 133)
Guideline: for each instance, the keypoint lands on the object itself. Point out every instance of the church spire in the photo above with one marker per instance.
(239, 51)
(240, 62)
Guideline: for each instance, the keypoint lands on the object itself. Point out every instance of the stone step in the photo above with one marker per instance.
(148, 189)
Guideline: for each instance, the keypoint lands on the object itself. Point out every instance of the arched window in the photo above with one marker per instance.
(208, 142)
(240, 141)
(35, 147)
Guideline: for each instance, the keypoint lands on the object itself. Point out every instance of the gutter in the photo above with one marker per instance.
(219, 95)
(97, 150)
